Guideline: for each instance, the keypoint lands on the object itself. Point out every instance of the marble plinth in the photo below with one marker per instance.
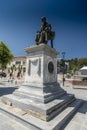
(41, 96)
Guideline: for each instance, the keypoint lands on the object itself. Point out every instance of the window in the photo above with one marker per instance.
(23, 62)
(18, 62)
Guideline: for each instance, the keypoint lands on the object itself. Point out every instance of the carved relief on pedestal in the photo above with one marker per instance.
(34, 66)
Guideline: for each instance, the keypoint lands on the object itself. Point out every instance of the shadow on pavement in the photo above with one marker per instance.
(7, 90)
(83, 107)
(81, 110)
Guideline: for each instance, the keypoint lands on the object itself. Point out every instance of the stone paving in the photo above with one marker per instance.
(7, 123)
(78, 122)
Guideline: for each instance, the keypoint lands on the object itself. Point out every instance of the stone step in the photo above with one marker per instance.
(59, 102)
(49, 107)
(56, 109)
(40, 90)
(43, 111)
(66, 115)
(34, 123)
(45, 97)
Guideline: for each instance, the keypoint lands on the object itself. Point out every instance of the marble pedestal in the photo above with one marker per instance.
(38, 60)
(41, 95)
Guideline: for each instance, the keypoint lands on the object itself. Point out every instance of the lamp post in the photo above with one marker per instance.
(63, 54)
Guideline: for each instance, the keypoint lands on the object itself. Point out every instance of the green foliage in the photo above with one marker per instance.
(76, 64)
(5, 55)
(83, 62)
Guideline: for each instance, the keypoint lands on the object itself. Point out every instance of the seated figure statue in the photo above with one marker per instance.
(45, 33)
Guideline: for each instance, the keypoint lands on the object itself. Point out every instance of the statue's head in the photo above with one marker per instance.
(43, 19)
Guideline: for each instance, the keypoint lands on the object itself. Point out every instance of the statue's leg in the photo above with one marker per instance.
(42, 38)
(37, 43)
(52, 43)
(37, 39)
(46, 36)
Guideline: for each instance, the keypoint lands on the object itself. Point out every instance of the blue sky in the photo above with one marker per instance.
(20, 19)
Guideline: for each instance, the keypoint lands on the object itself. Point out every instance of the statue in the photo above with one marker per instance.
(45, 34)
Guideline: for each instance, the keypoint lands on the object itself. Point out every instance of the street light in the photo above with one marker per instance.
(63, 54)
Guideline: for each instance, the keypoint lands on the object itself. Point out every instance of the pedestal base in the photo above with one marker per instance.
(40, 101)
(33, 123)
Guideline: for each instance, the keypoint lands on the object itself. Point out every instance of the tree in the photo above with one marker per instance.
(83, 62)
(76, 64)
(5, 55)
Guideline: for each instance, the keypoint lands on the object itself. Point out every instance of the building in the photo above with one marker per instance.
(82, 73)
(18, 65)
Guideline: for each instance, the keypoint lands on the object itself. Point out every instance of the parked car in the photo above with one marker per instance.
(84, 79)
(2, 74)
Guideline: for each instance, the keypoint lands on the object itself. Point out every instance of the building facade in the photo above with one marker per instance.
(17, 66)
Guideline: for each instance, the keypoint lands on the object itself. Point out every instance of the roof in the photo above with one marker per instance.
(84, 68)
(20, 57)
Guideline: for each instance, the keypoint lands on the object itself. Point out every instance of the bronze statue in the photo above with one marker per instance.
(45, 34)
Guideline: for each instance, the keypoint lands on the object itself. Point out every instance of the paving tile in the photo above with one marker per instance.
(75, 127)
(7, 123)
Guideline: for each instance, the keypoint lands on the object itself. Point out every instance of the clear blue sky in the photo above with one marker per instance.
(20, 19)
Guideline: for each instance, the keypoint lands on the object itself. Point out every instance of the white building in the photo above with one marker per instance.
(83, 71)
